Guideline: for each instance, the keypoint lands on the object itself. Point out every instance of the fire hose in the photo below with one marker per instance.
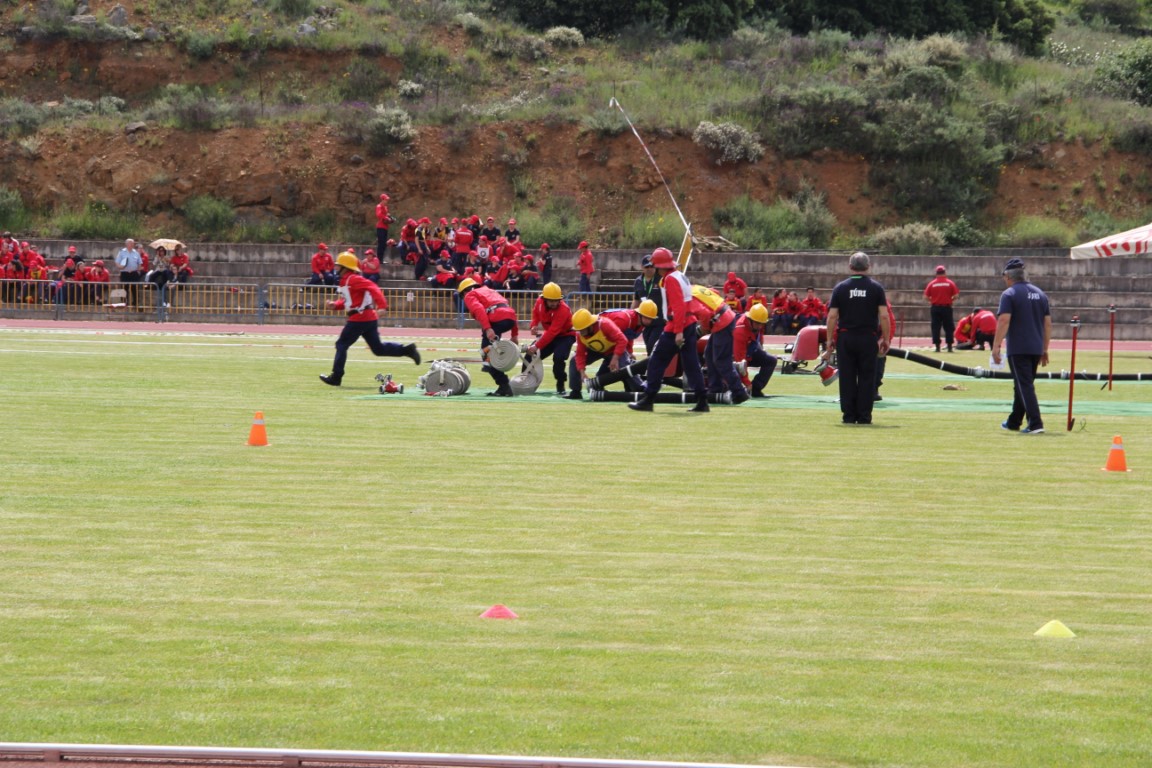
(684, 398)
(985, 373)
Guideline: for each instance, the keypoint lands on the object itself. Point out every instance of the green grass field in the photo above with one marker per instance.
(759, 584)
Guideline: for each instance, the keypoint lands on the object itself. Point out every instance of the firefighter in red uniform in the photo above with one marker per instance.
(496, 317)
(717, 319)
(812, 310)
(461, 246)
(595, 337)
(978, 328)
(359, 298)
(323, 269)
(586, 265)
(941, 292)
(370, 266)
(552, 326)
(383, 219)
(736, 285)
(98, 278)
(678, 338)
(598, 340)
(746, 348)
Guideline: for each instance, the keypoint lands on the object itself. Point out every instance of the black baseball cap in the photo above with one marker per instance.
(1014, 264)
(646, 261)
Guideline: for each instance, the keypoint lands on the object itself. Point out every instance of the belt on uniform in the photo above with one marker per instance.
(495, 307)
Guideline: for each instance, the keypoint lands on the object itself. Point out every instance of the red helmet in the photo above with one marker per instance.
(662, 259)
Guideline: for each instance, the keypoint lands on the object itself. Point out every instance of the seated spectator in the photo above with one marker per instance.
(736, 284)
(812, 310)
(781, 319)
(490, 230)
(323, 267)
(409, 252)
(544, 263)
(733, 301)
(512, 234)
(370, 266)
(98, 279)
(445, 275)
(181, 267)
(795, 308)
(757, 297)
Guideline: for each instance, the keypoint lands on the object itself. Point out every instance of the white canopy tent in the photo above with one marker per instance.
(1134, 242)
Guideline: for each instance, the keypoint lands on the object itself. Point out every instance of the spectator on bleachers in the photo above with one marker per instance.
(323, 267)
(463, 243)
(736, 284)
(812, 310)
(587, 266)
(131, 262)
(795, 308)
(757, 297)
(423, 246)
(781, 320)
(370, 266)
(445, 275)
(490, 230)
(512, 234)
(544, 263)
(409, 253)
(734, 302)
(383, 219)
(181, 266)
(98, 279)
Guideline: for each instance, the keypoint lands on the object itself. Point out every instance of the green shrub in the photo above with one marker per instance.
(199, 44)
(799, 120)
(473, 25)
(930, 161)
(20, 118)
(559, 224)
(209, 216)
(1128, 73)
(564, 37)
(651, 230)
(13, 214)
(604, 122)
(1040, 232)
(729, 143)
(363, 80)
(294, 9)
(913, 238)
(410, 90)
(1126, 14)
(96, 221)
(962, 233)
(802, 222)
(1134, 136)
(387, 128)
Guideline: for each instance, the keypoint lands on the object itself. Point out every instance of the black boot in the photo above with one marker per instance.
(574, 395)
(739, 397)
(701, 404)
(758, 393)
(560, 387)
(330, 379)
(643, 404)
(411, 351)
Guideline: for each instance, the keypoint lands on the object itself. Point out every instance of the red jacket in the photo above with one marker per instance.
(322, 262)
(370, 265)
(711, 319)
(742, 336)
(813, 307)
(677, 294)
(488, 306)
(555, 322)
(734, 283)
(941, 291)
(360, 293)
(463, 241)
(606, 339)
(382, 217)
(585, 262)
(99, 275)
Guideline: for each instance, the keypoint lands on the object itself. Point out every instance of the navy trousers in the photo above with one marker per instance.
(370, 332)
(666, 351)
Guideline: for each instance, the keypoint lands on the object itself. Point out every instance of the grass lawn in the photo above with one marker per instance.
(760, 584)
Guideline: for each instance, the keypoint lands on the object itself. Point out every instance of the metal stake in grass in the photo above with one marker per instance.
(1072, 378)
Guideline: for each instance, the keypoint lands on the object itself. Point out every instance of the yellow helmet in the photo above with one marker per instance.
(552, 292)
(582, 319)
(348, 261)
(758, 313)
(648, 309)
(465, 284)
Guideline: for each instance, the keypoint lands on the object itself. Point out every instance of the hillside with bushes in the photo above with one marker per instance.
(282, 120)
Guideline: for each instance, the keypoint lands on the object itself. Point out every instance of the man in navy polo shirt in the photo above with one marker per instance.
(1024, 319)
(858, 330)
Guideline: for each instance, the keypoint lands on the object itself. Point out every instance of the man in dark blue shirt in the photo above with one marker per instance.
(1025, 320)
(858, 330)
(647, 286)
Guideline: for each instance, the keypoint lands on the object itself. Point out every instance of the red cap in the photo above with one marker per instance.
(369, 252)
(475, 219)
(71, 249)
(545, 245)
(511, 222)
(322, 247)
(443, 220)
(98, 263)
(940, 269)
(583, 244)
(385, 197)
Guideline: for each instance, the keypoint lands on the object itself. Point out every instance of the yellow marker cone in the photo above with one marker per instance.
(1054, 629)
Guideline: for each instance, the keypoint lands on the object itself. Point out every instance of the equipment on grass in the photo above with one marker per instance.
(528, 380)
(445, 377)
(388, 386)
(503, 355)
(683, 398)
(985, 373)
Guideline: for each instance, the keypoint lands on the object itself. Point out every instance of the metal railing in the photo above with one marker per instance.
(254, 303)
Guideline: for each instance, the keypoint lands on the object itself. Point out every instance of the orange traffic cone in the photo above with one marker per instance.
(257, 435)
(1116, 461)
(499, 611)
